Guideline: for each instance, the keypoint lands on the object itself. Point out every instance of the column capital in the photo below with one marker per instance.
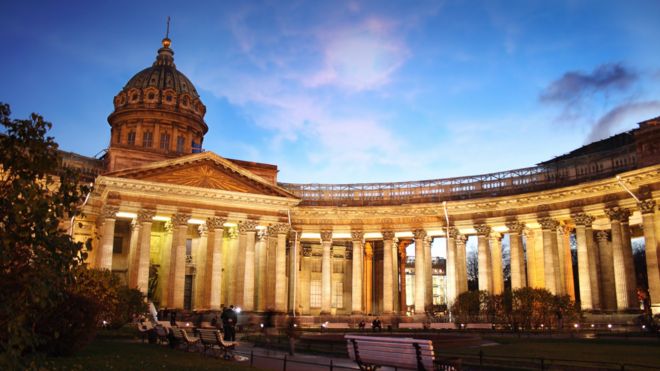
(169, 227)
(495, 236)
(109, 211)
(280, 228)
(203, 230)
(647, 206)
(548, 223)
(452, 232)
(146, 215)
(245, 226)
(583, 219)
(180, 219)
(368, 250)
(461, 239)
(306, 251)
(215, 222)
(482, 229)
(602, 236)
(262, 234)
(564, 229)
(232, 233)
(617, 213)
(357, 236)
(388, 235)
(515, 226)
(326, 236)
(419, 234)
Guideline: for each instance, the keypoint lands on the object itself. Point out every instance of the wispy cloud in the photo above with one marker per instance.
(621, 115)
(573, 86)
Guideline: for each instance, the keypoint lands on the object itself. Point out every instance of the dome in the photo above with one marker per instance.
(163, 75)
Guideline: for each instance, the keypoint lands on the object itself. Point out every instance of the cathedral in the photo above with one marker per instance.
(195, 230)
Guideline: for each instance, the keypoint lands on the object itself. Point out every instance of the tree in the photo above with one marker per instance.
(473, 270)
(37, 256)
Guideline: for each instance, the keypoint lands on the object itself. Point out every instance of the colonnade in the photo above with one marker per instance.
(259, 274)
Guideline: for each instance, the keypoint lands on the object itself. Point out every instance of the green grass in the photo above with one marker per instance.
(114, 353)
(619, 351)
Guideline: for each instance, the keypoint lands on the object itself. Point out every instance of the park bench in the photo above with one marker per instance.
(162, 333)
(371, 353)
(411, 325)
(442, 326)
(185, 340)
(336, 325)
(479, 326)
(212, 340)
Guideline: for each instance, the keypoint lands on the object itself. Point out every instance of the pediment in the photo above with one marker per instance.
(206, 170)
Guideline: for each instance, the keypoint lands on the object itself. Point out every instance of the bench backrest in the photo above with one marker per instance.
(416, 354)
(336, 325)
(207, 336)
(176, 332)
(443, 326)
(411, 325)
(481, 326)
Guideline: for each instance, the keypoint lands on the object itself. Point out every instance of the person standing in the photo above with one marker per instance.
(292, 333)
(229, 319)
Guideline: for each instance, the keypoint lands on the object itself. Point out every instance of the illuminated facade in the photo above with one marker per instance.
(198, 230)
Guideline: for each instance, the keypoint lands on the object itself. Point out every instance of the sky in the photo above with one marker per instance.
(350, 91)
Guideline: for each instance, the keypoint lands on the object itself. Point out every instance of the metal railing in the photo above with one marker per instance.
(485, 185)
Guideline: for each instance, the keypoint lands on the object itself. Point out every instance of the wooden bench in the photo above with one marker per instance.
(371, 352)
(162, 333)
(443, 326)
(212, 340)
(411, 325)
(336, 325)
(190, 342)
(479, 326)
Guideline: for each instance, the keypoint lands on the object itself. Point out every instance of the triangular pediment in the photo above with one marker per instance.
(204, 170)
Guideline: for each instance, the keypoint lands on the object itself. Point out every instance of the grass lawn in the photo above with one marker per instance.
(620, 351)
(116, 353)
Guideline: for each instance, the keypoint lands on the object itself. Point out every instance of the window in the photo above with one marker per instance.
(131, 138)
(338, 295)
(180, 140)
(164, 141)
(315, 265)
(315, 294)
(117, 245)
(168, 98)
(147, 139)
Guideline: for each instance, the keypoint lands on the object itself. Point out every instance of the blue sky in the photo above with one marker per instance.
(350, 91)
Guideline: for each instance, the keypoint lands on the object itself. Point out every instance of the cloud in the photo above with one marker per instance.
(622, 115)
(574, 86)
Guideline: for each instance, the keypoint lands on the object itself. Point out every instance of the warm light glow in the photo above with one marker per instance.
(123, 214)
(238, 309)
(403, 234)
(576, 325)
(609, 325)
(311, 236)
(195, 221)
(260, 227)
(161, 218)
(229, 224)
(337, 236)
(374, 235)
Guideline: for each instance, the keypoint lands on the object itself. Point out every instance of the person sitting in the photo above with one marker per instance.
(376, 325)
(361, 325)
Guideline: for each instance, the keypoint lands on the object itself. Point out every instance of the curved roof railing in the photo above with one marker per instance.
(485, 185)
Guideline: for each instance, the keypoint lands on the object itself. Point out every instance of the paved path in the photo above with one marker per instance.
(274, 360)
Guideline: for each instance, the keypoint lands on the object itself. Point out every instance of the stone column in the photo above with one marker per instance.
(561, 260)
(133, 254)
(594, 267)
(213, 277)
(104, 256)
(565, 237)
(607, 271)
(403, 259)
(367, 277)
(199, 259)
(260, 248)
(178, 262)
(239, 267)
(326, 272)
(280, 268)
(356, 294)
(305, 279)
(517, 259)
(461, 264)
(388, 300)
(428, 273)
(166, 261)
(496, 262)
(395, 275)
(420, 267)
(628, 260)
(144, 248)
(485, 274)
(550, 258)
(530, 242)
(248, 227)
(651, 241)
(581, 221)
(231, 251)
(620, 281)
(451, 266)
(294, 263)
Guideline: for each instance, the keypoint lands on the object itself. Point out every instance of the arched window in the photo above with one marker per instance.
(164, 141)
(147, 139)
(131, 138)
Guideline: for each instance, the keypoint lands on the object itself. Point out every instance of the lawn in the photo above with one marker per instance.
(116, 353)
(620, 351)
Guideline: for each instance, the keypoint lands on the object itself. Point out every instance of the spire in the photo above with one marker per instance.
(165, 54)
